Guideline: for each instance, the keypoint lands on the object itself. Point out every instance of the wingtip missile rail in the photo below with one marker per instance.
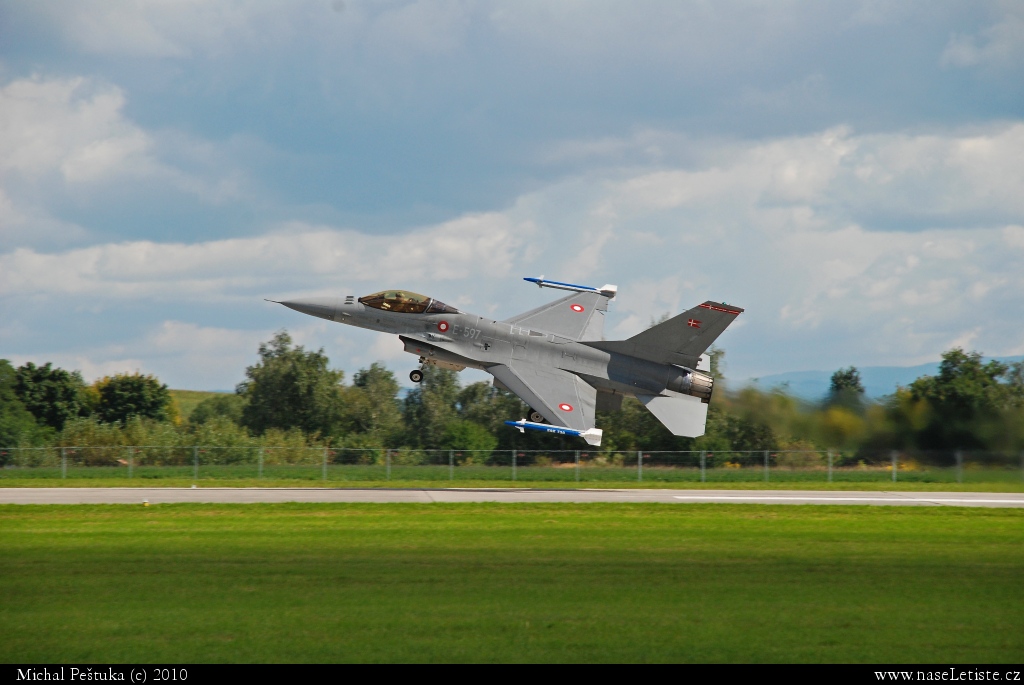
(591, 435)
(608, 290)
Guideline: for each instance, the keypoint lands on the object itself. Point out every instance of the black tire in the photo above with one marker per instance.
(416, 375)
(534, 416)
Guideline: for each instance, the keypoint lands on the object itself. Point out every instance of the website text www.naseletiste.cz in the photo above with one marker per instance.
(950, 674)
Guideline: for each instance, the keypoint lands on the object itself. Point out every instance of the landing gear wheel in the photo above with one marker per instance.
(416, 375)
(535, 416)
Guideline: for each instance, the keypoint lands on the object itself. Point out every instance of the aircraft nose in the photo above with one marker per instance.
(322, 307)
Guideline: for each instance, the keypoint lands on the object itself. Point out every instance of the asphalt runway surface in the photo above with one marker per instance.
(255, 495)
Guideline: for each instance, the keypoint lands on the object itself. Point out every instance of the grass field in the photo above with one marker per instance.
(489, 582)
(376, 476)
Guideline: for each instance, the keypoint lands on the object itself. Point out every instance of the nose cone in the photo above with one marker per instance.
(322, 307)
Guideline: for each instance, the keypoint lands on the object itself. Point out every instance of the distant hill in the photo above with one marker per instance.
(877, 380)
(187, 400)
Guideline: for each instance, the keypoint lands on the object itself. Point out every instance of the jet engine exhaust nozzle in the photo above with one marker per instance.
(693, 383)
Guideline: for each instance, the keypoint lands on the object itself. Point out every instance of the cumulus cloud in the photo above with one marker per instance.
(481, 246)
(69, 126)
(998, 45)
(843, 248)
(203, 356)
(67, 141)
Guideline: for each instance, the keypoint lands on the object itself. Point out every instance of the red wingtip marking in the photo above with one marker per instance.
(719, 309)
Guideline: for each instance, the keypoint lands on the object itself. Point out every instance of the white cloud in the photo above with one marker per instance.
(181, 353)
(68, 141)
(69, 126)
(998, 45)
(482, 246)
(829, 241)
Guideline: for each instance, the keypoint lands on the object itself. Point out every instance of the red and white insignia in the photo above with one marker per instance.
(693, 323)
(442, 326)
(565, 407)
(576, 308)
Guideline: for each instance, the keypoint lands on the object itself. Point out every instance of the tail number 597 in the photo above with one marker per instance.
(465, 331)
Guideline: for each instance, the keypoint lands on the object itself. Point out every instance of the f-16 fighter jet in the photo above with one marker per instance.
(554, 358)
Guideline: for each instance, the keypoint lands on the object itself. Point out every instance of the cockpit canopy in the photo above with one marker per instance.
(405, 302)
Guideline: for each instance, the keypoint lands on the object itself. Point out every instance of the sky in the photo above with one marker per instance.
(851, 173)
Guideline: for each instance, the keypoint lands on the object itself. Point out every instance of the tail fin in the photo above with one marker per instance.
(680, 340)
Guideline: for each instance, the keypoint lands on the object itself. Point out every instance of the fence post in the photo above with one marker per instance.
(959, 466)
(387, 461)
(640, 465)
(766, 466)
(64, 462)
(131, 460)
(451, 464)
(514, 455)
(894, 464)
(195, 462)
(325, 464)
(703, 465)
(577, 466)
(260, 468)
(830, 466)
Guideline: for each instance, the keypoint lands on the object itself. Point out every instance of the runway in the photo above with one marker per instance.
(258, 495)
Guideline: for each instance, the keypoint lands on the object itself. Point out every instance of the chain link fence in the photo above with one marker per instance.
(340, 465)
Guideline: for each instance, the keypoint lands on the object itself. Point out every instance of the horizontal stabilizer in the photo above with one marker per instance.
(683, 415)
(591, 435)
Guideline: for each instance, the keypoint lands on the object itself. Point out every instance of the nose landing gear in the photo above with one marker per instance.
(416, 375)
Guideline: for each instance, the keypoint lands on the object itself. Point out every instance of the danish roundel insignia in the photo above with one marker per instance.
(565, 407)
(576, 308)
(442, 326)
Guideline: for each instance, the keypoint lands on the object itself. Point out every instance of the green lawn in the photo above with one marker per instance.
(489, 582)
(376, 476)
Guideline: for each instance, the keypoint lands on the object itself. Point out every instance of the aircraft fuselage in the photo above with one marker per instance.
(472, 341)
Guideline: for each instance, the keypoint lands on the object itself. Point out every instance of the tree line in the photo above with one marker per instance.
(292, 396)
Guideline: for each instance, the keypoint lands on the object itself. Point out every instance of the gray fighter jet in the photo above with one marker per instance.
(554, 358)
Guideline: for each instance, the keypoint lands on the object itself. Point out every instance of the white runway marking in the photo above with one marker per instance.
(270, 495)
(944, 500)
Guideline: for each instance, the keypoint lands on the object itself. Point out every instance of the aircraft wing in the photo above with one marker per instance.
(563, 398)
(579, 316)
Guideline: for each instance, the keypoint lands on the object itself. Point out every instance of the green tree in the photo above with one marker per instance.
(846, 389)
(292, 388)
(17, 425)
(228, 407)
(53, 395)
(717, 355)
(460, 434)
(846, 380)
(126, 395)
(371, 407)
(429, 408)
(965, 399)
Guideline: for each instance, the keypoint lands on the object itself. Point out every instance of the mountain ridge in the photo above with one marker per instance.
(878, 381)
